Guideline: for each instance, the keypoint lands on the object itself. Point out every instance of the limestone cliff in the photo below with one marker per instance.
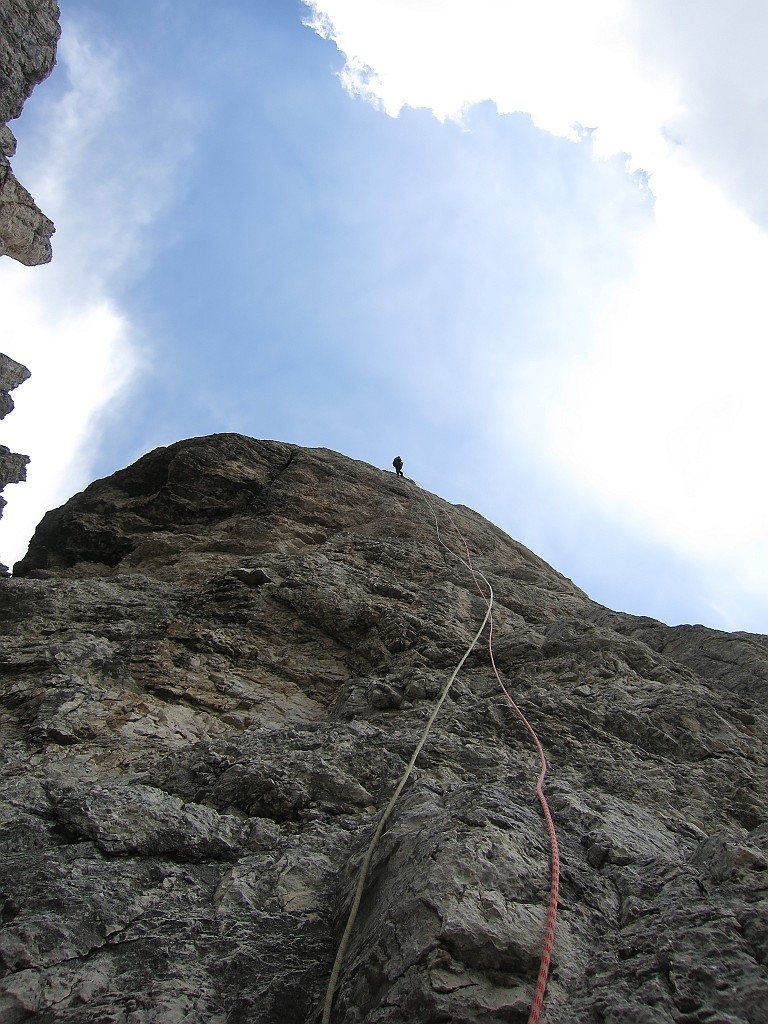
(216, 663)
(29, 32)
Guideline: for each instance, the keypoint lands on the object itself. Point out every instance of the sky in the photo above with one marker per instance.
(524, 246)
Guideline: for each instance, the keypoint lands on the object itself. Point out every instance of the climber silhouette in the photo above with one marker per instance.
(397, 462)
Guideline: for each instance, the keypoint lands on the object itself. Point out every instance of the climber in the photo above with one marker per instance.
(397, 462)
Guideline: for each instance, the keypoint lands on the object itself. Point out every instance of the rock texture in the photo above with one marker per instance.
(215, 665)
(13, 467)
(29, 32)
(11, 375)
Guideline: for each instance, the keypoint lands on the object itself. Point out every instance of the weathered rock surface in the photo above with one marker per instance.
(13, 467)
(29, 32)
(11, 375)
(215, 666)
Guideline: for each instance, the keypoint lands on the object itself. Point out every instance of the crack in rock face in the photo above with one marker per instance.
(215, 665)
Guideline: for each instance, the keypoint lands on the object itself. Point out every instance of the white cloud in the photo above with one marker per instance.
(565, 64)
(665, 419)
(80, 363)
(662, 420)
(718, 56)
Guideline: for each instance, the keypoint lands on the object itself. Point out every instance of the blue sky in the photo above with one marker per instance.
(526, 253)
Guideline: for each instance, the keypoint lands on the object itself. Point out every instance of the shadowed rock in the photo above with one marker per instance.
(11, 375)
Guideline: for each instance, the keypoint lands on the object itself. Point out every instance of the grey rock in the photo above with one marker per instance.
(29, 32)
(7, 141)
(216, 665)
(25, 232)
(13, 467)
(11, 375)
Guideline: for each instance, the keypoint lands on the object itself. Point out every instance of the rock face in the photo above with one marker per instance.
(29, 32)
(215, 666)
(13, 467)
(11, 375)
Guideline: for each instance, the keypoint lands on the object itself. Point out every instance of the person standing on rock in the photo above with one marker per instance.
(397, 462)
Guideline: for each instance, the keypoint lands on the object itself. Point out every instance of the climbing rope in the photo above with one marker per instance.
(554, 889)
(365, 866)
(488, 598)
(546, 957)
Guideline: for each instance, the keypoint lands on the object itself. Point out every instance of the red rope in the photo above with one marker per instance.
(554, 889)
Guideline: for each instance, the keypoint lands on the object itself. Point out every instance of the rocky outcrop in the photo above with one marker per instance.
(29, 32)
(215, 665)
(11, 375)
(13, 467)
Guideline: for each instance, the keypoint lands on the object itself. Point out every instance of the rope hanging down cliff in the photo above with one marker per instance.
(554, 889)
(488, 598)
(385, 818)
